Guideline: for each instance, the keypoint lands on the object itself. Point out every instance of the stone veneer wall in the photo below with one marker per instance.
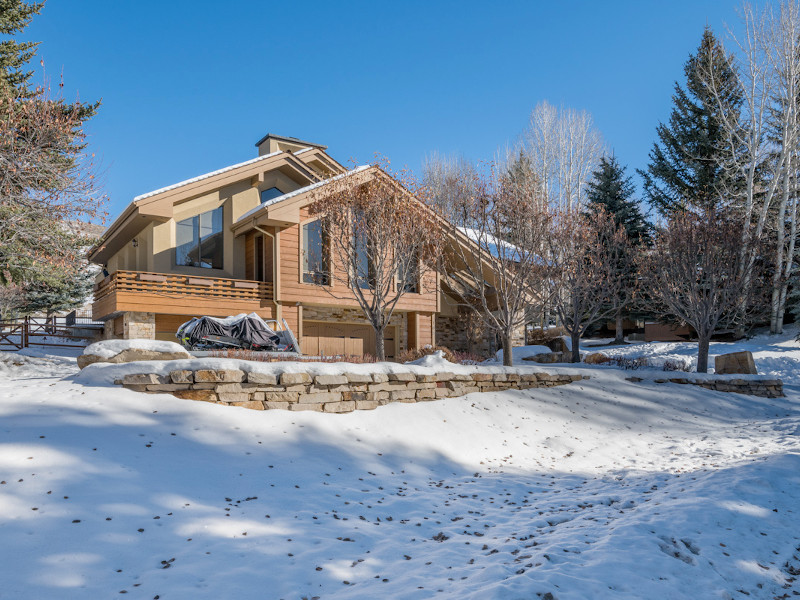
(135, 325)
(330, 393)
(453, 333)
(764, 388)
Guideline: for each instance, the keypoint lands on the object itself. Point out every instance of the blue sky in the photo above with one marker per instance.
(189, 87)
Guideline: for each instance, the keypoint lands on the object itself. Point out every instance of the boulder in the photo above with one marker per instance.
(559, 344)
(549, 357)
(735, 363)
(123, 351)
(596, 358)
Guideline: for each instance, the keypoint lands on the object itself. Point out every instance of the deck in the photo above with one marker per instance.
(168, 293)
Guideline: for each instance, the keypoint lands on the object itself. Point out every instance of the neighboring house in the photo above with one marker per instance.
(241, 240)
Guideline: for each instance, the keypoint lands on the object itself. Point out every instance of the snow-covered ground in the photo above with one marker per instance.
(775, 356)
(600, 489)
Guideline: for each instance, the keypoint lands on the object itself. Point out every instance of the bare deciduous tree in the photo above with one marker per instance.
(589, 269)
(383, 241)
(498, 230)
(764, 139)
(564, 148)
(695, 270)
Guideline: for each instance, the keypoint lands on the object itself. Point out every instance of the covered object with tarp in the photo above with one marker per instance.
(249, 332)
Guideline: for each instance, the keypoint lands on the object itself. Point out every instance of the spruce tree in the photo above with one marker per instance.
(15, 16)
(686, 170)
(613, 191)
(48, 185)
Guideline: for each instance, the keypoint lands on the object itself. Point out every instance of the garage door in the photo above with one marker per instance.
(334, 339)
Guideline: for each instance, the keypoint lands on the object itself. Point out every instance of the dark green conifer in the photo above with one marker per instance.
(612, 190)
(686, 170)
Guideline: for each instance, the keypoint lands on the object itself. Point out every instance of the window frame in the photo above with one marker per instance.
(196, 220)
(325, 253)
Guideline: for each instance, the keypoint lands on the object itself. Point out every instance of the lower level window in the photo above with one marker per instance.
(199, 240)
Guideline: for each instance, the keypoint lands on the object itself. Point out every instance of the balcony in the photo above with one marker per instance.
(168, 293)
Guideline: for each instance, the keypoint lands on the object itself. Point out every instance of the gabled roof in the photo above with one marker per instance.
(205, 176)
(250, 213)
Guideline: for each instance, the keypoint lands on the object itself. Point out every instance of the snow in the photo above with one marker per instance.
(110, 348)
(774, 356)
(519, 353)
(599, 489)
(205, 176)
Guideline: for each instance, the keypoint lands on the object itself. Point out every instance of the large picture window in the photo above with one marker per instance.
(199, 240)
(315, 254)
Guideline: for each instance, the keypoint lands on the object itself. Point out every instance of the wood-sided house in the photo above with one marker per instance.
(239, 240)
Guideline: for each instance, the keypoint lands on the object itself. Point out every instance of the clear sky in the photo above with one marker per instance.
(189, 87)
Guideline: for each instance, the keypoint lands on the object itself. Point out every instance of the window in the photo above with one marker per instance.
(364, 267)
(199, 240)
(270, 194)
(408, 277)
(315, 254)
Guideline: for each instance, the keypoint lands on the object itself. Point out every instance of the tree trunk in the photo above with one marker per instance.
(702, 354)
(380, 352)
(619, 335)
(576, 347)
(508, 350)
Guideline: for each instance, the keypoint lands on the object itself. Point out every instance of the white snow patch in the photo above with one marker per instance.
(110, 348)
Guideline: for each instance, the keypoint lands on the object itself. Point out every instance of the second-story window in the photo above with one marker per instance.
(408, 276)
(199, 240)
(270, 194)
(316, 265)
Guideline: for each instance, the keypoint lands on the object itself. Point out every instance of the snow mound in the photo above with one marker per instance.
(435, 360)
(110, 348)
(521, 352)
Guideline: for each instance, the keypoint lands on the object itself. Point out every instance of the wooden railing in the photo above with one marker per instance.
(172, 285)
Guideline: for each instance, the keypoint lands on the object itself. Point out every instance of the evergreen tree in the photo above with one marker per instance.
(47, 184)
(15, 16)
(686, 170)
(69, 291)
(613, 191)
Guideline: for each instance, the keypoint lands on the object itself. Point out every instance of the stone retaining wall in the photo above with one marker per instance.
(764, 388)
(330, 393)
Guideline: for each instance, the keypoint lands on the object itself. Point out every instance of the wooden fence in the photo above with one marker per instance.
(64, 332)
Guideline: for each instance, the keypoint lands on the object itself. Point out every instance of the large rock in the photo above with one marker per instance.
(596, 358)
(123, 351)
(559, 344)
(735, 363)
(549, 357)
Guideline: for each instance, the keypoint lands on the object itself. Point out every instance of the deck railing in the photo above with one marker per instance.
(173, 285)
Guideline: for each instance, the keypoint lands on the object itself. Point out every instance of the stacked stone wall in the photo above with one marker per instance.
(330, 393)
(764, 388)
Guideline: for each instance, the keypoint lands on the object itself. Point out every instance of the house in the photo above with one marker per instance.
(241, 239)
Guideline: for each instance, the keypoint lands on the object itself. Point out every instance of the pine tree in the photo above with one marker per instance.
(15, 16)
(613, 191)
(48, 183)
(686, 170)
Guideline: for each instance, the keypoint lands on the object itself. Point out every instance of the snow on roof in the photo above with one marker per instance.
(489, 242)
(302, 190)
(302, 151)
(205, 176)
